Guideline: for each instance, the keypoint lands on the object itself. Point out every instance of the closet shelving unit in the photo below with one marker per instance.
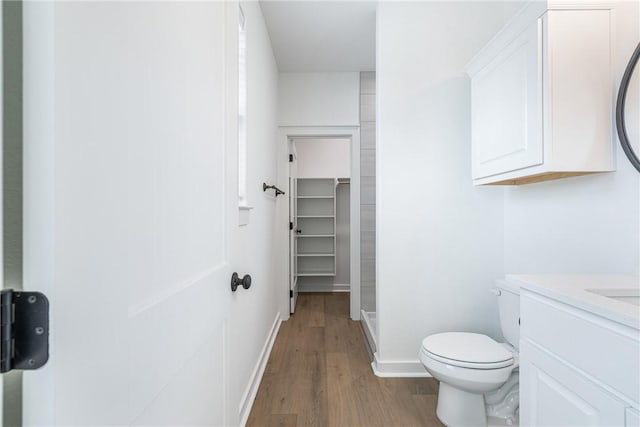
(316, 219)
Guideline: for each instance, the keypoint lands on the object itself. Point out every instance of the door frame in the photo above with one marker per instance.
(286, 133)
(293, 211)
(1, 189)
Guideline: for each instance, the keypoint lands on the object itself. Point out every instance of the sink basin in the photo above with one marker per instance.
(627, 295)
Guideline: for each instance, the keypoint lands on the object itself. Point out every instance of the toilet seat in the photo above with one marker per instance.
(467, 350)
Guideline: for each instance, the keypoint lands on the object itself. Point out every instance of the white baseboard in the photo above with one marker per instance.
(369, 332)
(248, 397)
(399, 368)
(309, 287)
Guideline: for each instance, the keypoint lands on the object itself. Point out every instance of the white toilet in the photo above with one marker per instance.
(478, 376)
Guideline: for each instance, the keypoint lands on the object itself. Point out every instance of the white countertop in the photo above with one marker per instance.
(573, 289)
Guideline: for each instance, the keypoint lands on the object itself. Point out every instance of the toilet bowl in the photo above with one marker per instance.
(478, 376)
(468, 366)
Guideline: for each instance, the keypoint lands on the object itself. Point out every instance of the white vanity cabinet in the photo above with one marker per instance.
(542, 97)
(577, 368)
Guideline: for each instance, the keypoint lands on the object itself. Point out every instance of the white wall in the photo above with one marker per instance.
(323, 158)
(439, 239)
(319, 99)
(254, 312)
(584, 224)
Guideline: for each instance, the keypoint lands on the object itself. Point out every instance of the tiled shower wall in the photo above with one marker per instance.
(368, 190)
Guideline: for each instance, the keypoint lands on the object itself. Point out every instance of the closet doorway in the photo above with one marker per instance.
(320, 215)
(323, 213)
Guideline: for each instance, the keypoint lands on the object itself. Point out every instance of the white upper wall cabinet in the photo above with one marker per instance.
(542, 97)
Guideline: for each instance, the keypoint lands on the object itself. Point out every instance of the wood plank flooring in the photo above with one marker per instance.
(319, 374)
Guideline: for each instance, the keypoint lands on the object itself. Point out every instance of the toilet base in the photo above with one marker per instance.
(458, 408)
(502, 422)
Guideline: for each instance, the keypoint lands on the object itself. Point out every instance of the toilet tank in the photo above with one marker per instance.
(509, 309)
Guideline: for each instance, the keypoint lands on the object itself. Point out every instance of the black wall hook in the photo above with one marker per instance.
(266, 187)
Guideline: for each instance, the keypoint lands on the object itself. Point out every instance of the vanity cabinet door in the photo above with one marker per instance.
(552, 393)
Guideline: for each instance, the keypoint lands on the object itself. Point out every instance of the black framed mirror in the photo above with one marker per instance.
(620, 113)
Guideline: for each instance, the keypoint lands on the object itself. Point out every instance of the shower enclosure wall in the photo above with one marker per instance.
(368, 205)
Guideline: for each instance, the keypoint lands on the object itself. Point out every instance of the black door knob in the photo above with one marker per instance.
(298, 231)
(236, 281)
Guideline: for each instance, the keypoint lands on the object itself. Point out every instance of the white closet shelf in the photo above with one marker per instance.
(317, 254)
(316, 216)
(316, 235)
(315, 274)
(316, 197)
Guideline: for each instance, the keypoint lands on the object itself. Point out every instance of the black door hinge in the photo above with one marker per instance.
(290, 225)
(24, 326)
(290, 294)
(290, 158)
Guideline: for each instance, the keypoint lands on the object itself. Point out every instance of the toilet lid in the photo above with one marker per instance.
(468, 349)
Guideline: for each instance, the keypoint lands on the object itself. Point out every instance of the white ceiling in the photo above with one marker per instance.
(322, 35)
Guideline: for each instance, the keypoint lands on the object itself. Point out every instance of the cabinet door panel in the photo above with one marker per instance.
(577, 88)
(553, 394)
(506, 108)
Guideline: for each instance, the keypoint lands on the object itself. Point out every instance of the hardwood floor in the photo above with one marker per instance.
(319, 374)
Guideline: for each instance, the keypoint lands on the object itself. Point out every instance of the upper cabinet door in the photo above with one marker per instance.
(505, 108)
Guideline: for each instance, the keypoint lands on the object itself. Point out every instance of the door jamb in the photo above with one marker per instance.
(1, 186)
(285, 134)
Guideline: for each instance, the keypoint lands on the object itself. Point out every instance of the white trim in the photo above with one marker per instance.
(285, 134)
(354, 226)
(369, 331)
(380, 315)
(39, 218)
(1, 187)
(249, 396)
(244, 215)
(398, 368)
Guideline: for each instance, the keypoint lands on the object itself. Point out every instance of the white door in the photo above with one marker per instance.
(130, 195)
(293, 228)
